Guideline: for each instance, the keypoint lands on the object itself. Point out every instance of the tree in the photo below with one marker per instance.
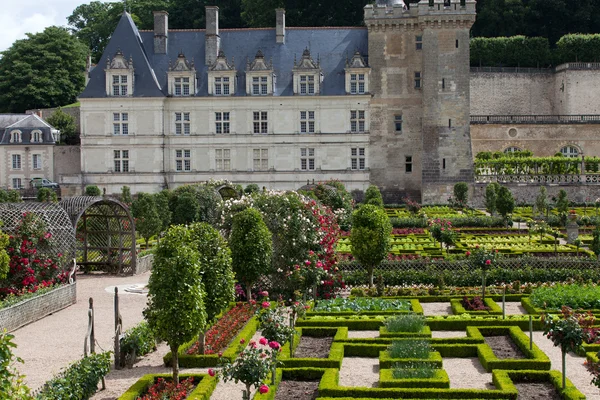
(147, 220)
(595, 246)
(251, 188)
(373, 196)
(126, 196)
(209, 204)
(46, 195)
(186, 209)
(42, 71)
(4, 258)
(161, 199)
(461, 193)
(370, 236)
(215, 266)
(251, 248)
(505, 203)
(491, 196)
(176, 298)
(562, 205)
(93, 190)
(65, 123)
(541, 201)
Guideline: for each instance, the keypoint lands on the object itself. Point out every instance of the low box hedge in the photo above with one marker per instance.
(205, 386)
(460, 322)
(532, 309)
(505, 380)
(535, 358)
(298, 374)
(211, 360)
(336, 352)
(353, 324)
(415, 307)
(386, 361)
(459, 309)
(443, 298)
(438, 380)
(424, 333)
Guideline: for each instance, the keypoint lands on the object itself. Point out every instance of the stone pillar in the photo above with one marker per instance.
(213, 40)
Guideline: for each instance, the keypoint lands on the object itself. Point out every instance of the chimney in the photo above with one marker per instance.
(213, 41)
(280, 25)
(161, 31)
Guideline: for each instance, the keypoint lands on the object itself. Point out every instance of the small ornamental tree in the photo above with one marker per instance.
(126, 196)
(65, 123)
(147, 219)
(373, 196)
(4, 258)
(93, 190)
(505, 203)
(370, 236)
(186, 208)
(461, 194)
(215, 266)
(161, 199)
(491, 196)
(14, 197)
(176, 297)
(484, 259)
(595, 245)
(562, 206)
(46, 195)
(251, 188)
(251, 248)
(541, 202)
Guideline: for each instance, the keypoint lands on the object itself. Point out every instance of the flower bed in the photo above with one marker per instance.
(205, 385)
(35, 308)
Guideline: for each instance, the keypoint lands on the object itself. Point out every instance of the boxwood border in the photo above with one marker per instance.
(204, 389)
(458, 308)
(439, 380)
(336, 352)
(505, 379)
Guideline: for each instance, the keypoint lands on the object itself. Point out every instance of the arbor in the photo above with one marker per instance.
(148, 222)
(65, 123)
(176, 298)
(251, 248)
(491, 196)
(370, 236)
(43, 71)
(505, 202)
(373, 196)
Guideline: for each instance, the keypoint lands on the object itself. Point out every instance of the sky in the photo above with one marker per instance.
(18, 17)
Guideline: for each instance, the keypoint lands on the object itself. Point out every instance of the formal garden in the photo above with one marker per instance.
(315, 295)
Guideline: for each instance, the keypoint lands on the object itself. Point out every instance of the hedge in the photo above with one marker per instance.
(458, 323)
(438, 380)
(459, 309)
(423, 333)
(531, 309)
(504, 380)
(578, 48)
(385, 361)
(354, 324)
(205, 386)
(292, 374)
(514, 51)
(414, 305)
(336, 352)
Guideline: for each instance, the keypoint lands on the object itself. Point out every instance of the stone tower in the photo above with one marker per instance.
(420, 143)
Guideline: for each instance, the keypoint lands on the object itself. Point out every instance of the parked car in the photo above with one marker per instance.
(37, 183)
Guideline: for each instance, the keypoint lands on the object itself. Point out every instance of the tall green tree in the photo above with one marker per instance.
(176, 299)
(161, 199)
(65, 123)
(373, 196)
(491, 196)
(42, 71)
(370, 236)
(541, 201)
(505, 203)
(251, 248)
(147, 219)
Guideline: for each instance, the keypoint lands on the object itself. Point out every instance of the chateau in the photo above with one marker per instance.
(393, 104)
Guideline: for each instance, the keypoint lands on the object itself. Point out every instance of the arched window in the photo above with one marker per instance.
(15, 137)
(570, 151)
(512, 149)
(36, 137)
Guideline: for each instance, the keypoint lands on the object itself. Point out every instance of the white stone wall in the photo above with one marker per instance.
(26, 172)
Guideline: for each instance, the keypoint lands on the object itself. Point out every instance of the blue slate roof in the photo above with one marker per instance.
(26, 123)
(331, 45)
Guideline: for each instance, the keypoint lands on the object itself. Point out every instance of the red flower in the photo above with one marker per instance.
(263, 341)
(266, 304)
(274, 345)
(263, 389)
(488, 262)
(468, 253)
(211, 372)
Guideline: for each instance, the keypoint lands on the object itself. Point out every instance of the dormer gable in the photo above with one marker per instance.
(357, 75)
(260, 76)
(307, 75)
(119, 74)
(182, 77)
(222, 76)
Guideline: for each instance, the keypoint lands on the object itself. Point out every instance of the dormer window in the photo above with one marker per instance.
(119, 76)
(260, 77)
(16, 137)
(36, 137)
(182, 77)
(307, 75)
(221, 77)
(357, 75)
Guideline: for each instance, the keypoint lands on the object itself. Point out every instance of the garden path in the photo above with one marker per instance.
(55, 341)
(359, 371)
(441, 308)
(467, 373)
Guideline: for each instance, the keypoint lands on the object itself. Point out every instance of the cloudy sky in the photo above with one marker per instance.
(18, 17)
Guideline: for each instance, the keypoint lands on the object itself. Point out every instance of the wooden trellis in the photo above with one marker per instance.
(105, 233)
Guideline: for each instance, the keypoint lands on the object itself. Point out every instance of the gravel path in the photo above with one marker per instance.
(514, 308)
(362, 334)
(467, 373)
(358, 371)
(448, 334)
(54, 342)
(576, 371)
(437, 308)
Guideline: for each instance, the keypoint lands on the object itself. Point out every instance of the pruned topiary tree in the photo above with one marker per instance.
(373, 196)
(251, 248)
(176, 298)
(370, 236)
(148, 222)
(93, 190)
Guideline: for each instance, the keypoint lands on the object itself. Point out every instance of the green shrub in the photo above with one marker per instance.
(410, 348)
(93, 190)
(412, 371)
(79, 381)
(373, 196)
(571, 295)
(362, 304)
(137, 341)
(514, 51)
(405, 323)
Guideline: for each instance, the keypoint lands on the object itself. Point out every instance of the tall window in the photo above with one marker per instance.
(222, 122)
(357, 83)
(570, 151)
(182, 86)
(223, 159)
(17, 183)
(261, 159)
(120, 124)
(307, 121)
(16, 161)
(183, 160)
(119, 85)
(222, 85)
(15, 137)
(417, 80)
(260, 122)
(408, 164)
(419, 42)
(259, 85)
(307, 159)
(357, 121)
(182, 123)
(398, 123)
(307, 84)
(121, 159)
(357, 157)
(36, 161)
(36, 137)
